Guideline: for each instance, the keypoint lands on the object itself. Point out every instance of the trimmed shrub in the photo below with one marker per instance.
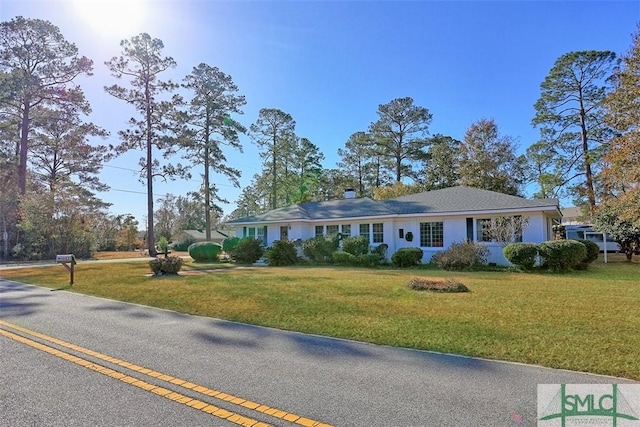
(344, 258)
(593, 250)
(521, 254)
(205, 251)
(407, 257)
(229, 243)
(461, 256)
(168, 265)
(357, 245)
(283, 252)
(319, 249)
(562, 255)
(183, 245)
(369, 260)
(247, 251)
(436, 285)
(156, 266)
(381, 251)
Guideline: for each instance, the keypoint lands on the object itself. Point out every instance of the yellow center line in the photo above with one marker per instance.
(161, 391)
(203, 406)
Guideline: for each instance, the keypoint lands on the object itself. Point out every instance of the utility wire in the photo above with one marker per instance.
(191, 180)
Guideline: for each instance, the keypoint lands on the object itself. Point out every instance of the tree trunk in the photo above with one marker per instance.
(587, 161)
(151, 240)
(207, 201)
(274, 191)
(24, 144)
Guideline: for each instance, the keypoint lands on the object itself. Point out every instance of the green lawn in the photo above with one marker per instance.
(584, 321)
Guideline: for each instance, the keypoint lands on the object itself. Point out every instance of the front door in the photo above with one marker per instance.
(284, 233)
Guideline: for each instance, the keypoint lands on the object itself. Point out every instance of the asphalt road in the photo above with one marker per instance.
(47, 378)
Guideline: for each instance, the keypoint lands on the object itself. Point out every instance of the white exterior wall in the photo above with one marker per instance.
(536, 230)
(454, 229)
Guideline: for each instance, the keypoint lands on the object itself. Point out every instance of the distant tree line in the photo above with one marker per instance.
(587, 115)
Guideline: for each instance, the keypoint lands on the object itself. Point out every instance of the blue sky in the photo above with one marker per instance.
(331, 63)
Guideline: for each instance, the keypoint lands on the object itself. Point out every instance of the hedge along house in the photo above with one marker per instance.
(431, 220)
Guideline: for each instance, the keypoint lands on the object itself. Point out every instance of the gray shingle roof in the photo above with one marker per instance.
(330, 209)
(461, 199)
(447, 200)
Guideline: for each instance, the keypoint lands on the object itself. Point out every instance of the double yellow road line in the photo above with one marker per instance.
(157, 377)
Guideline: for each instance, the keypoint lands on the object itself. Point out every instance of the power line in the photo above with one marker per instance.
(230, 164)
(191, 180)
(140, 192)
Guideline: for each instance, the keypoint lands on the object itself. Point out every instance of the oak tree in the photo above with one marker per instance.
(622, 160)
(488, 160)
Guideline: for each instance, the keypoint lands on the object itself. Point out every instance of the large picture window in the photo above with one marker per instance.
(378, 233)
(431, 234)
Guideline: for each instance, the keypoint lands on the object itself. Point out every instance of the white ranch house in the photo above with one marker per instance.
(432, 220)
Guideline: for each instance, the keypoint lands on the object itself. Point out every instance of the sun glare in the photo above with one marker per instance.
(111, 18)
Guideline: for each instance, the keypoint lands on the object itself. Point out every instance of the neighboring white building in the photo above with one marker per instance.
(578, 227)
(431, 220)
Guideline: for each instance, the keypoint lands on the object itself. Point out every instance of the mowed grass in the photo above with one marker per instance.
(585, 321)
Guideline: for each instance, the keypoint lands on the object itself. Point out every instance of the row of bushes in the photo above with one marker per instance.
(557, 255)
(325, 250)
(355, 251)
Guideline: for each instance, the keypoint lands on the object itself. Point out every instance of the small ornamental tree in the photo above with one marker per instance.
(621, 231)
(163, 246)
(505, 229)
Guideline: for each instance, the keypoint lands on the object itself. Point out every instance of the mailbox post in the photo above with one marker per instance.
(68, 261)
